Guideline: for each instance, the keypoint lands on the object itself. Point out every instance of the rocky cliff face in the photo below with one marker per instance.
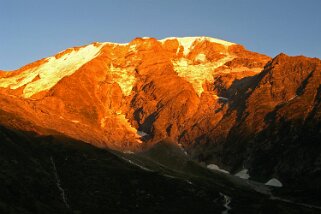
(271, 125)
(113, 90)
(222, 103)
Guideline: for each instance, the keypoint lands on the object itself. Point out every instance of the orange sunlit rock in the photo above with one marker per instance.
(104, 93)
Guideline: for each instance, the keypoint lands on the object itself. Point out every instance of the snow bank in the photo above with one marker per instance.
(244, 174)
(274, 182)
(187, 42)
(198, 74)
(214, 167)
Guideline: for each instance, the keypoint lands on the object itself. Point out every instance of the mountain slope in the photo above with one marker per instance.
(273, 127)
(103, 84)
(56, 174)
(217, 101)
(93, 180)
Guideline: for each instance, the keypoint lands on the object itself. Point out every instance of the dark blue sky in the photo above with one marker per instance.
(34, 29)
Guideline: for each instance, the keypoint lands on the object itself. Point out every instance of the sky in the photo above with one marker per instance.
(35, 29)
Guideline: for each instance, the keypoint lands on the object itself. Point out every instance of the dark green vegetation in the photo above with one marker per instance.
(101, 181)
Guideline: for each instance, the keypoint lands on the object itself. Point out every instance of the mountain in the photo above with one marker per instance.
(152, 86)
(217, 103)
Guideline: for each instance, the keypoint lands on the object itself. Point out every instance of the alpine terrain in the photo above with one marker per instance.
(176, 125)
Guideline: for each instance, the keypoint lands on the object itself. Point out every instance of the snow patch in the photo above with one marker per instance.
(189, 182)
(187, 42)
(201, 57)
(214, 167)
(244, 174)
(197, 75)
(141, 133)
(114, 44)
(274, 182)
(133, 48)
(219, 41)
(52, 71)
(124, 77)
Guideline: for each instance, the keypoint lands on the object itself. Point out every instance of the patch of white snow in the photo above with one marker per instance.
(198, 74)
(274, 182)
(115, 44)
(214, 167)
(133, 48)
(52, 71)
(189, 182)
(219, 41)
(141, 133)
(244, 174)
(200, 57)
(124, 77)
(187, 42)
